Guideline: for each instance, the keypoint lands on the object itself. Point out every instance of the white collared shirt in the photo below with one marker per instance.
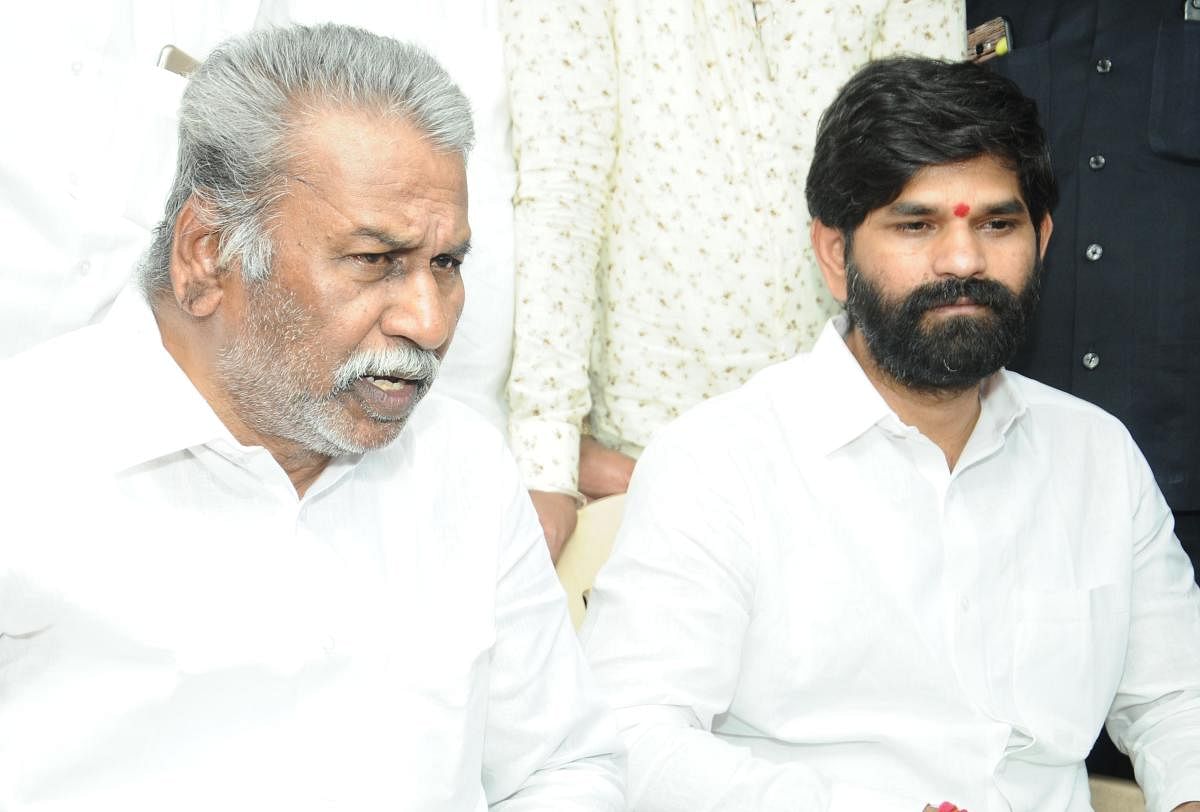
(862, 628)
(178, 630)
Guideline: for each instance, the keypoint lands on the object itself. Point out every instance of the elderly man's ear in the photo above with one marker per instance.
(829, 246)
(196, 278)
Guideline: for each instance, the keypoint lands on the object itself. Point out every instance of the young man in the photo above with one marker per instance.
(888, 574)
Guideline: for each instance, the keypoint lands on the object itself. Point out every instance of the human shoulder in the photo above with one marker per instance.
(1063, 411)
(1070, 432)
(765, 409)
(65, 382)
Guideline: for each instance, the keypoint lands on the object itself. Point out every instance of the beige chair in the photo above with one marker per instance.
(1115, 795)
(587, 549)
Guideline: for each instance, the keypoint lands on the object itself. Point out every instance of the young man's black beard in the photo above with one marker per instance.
(957, 352)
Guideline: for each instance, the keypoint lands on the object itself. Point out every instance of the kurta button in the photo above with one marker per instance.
(1096, 162)
(1091, 360)
(1094, 252)
(1104, 66)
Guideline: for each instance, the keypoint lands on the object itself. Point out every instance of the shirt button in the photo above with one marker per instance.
(1091, 360)
(84, 267)
(965, 604)
(1094, 252)
(1096, 162)
(1104, 65)
(76, 67)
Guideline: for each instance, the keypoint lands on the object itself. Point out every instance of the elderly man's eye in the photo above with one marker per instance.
(373, 259)
(447, 262)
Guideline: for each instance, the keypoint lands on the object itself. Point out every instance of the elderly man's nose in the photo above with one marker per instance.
(421, 310)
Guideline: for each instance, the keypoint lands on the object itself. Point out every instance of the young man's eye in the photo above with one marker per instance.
(1000, 225)
(915, 226)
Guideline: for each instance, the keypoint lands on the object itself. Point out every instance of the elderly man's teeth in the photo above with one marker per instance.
(385, 384)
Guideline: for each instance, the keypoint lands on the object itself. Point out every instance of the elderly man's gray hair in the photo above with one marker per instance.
(243, 102)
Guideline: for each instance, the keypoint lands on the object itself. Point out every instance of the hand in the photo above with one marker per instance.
(602, 471)
(556, 512)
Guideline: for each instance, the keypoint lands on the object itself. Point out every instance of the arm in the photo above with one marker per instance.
(1155, 717)
(550, 741)
(557, 515)
(563, 91)
(665, 631)
(602, 472)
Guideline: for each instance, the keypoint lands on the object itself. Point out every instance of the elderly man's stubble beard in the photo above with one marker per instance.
(955, 353)
(275, 362)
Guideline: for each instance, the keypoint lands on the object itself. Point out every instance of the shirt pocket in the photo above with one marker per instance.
(1068, 659)
(1174, 125)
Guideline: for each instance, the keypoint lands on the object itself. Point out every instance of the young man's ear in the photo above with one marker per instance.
(829, 245)
(196, 278)
(1044, 230)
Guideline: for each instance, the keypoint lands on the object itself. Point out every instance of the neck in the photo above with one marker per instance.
(947, 417)
(185, 339)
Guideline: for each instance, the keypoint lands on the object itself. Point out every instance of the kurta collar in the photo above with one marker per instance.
(155, 409)
(849, 404)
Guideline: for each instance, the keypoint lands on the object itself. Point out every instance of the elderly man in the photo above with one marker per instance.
(237, 569)
(888, 574)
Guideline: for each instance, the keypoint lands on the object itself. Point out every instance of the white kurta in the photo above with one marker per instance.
(178, 630)
(861, 628)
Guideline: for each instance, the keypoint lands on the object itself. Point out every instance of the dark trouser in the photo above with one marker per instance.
(1106, 759)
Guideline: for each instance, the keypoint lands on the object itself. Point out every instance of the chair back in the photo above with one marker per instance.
(586, 551)
(1115, 795)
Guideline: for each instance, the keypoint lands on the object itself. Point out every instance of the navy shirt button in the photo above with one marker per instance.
(1096, 162)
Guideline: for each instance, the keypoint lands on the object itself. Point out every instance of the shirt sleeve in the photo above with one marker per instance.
(563, 92)
(550, 741)
(936, 28)
(664, 635)
(1155, 717)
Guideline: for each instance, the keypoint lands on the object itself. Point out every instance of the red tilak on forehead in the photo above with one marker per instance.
(962, 210)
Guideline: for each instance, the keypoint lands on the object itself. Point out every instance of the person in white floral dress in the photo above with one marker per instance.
(661, 231)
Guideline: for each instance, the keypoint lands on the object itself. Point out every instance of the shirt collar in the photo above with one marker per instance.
(1001, 405)
(849, 404)
(155, 410)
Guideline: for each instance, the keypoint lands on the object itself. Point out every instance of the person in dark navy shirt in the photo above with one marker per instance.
(1117, 84)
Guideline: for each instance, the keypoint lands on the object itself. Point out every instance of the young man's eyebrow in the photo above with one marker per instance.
(906, 209)
(909, 209)
(1013, 206)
